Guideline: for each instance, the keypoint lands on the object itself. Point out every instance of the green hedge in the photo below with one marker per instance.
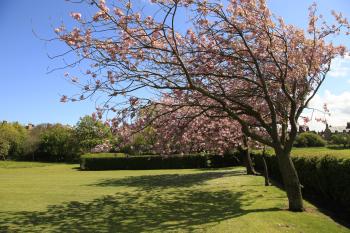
(104, 155)
(324, 178)
(110, 161)
(226, 160)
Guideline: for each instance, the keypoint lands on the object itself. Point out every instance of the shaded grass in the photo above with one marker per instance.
(59, 198)
(151, 182)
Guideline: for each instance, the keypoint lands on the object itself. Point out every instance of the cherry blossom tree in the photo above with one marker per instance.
(236, 59)
(190, 129)
(187, 129)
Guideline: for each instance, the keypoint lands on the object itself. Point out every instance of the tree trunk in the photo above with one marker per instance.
(290, 180)
(249, 163)
(266, 171)
(247, 158)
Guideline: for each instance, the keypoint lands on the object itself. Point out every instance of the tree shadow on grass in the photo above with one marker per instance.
(150, 182)
(133, 212)
(151, 207)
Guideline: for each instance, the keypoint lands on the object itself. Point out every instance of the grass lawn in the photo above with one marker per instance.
(39, 197)
(322, 151)
(317, 151)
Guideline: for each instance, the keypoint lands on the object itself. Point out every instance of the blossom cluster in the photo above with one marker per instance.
(104, 147)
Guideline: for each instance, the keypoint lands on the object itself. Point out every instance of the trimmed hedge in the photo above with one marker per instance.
(123, 162)
(324, 178)
(226, 160)
(104, 155)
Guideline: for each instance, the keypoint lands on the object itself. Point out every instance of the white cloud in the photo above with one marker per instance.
(339, 106)
(340, 67)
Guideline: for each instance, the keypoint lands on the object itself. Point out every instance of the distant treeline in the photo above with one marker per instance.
(51, 142)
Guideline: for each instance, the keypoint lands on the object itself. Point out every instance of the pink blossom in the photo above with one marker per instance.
(76, 15)
(118, 12)
(64, 99)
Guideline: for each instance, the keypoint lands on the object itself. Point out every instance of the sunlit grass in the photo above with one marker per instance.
(315, 152)
(16, 164)
(321, 151)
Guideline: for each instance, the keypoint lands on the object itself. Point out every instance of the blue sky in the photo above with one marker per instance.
(29, 95)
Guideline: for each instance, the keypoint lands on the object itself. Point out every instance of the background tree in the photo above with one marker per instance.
(56, 144)
(309, 139)
(13, 134)
(341, 139)
(4, 148)
(136, 141)
(33, 140)
(90, 132)
(252, 66)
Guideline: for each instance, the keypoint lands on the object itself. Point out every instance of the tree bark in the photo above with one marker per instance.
(266, 171)
(290, 180)
(247, 157)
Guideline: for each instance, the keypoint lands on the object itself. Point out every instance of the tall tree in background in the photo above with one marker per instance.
(57, 144)
(4, 148)
(90, 132)
(13, 136)
(236, 58)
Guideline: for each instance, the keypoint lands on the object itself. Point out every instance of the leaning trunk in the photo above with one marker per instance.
(247, 158)
(249, 163)
(290, 180)
(266, 170)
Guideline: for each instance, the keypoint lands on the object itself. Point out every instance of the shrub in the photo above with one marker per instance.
(309, 139)
(324, 178)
